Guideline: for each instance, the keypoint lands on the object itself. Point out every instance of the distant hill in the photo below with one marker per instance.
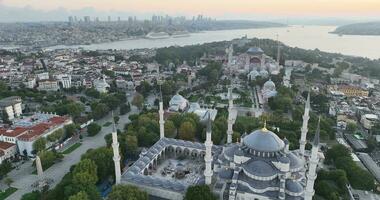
(370, 28)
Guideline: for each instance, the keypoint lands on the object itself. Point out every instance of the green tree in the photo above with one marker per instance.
(144, 88)
(48, 158)
(187, 131)
(102, 157)
(35, 195)
(69, 130)
(138, 100)
(79, 196)
(336, 152)
(5, 168)
(55, 136)
(92, 92)
(127, 192)
(8, 181)
(5, 117)
(93, 129)
(131, 145)
(99, 110)
(39, 144)
(199, 192)
(170, 129)
(116, 119)
(124, 108)
(351, 128)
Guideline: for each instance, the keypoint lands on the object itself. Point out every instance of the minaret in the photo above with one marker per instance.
(230, 52)
(304, 129)
(230, 120)
(40, 172)
(313, 163)
(116, 155)
(208, 156)
(278, 52)
(162, 121)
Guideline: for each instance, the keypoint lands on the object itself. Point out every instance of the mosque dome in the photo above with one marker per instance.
(269, 85)
(255, 51)
(253, 74)
(264, 140)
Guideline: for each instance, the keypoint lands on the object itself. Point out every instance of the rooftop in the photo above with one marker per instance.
(6, 145)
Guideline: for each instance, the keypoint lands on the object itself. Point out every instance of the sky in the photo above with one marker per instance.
(17, 10)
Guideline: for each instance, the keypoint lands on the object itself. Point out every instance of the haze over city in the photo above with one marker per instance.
(57, 10)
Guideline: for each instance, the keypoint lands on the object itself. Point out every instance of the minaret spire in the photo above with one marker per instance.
(231, 117)
(304, 128)
(208, 157)
(116, 155)
(313, 163)
(161, 113)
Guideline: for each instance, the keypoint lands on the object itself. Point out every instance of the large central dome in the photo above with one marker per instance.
(264, 140)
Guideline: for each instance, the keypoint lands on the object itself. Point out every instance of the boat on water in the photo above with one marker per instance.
(178, 34)
(157, 35)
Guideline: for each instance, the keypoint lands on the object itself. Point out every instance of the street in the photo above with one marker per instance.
(23, 178)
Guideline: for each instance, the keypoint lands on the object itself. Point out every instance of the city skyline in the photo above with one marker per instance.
(239, 9)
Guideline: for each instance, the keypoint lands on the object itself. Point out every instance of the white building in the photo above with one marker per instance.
(178, 103)
(269, 90)
(368, 120)
(24, 137)
(12, 106)
(48, 85)
(65, 80)
(30, 82)
(7, 150)
(101, 85)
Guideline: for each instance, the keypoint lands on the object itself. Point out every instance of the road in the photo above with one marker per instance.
(23, 178)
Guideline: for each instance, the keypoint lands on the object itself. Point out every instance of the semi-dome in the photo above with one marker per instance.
(264, 140)
(260, 168)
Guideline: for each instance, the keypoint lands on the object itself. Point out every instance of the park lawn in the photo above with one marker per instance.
(7, 193)
(72, 148)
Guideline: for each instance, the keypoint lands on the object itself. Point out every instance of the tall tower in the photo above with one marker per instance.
(116, 155)
(162, 121)
(208, 157)
(278, 52)
(230, 52)
(304, 129)
(230, 120)
(313, 163)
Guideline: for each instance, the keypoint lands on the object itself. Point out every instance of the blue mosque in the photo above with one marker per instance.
(258, 167)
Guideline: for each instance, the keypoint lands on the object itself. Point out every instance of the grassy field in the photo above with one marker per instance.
(72, 148)
(7, 192)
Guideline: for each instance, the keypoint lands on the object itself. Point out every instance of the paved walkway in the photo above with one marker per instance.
(23, 178)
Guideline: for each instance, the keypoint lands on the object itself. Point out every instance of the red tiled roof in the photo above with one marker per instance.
(57, 120)
(34, 131)
(13, 133)
(5, 145)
